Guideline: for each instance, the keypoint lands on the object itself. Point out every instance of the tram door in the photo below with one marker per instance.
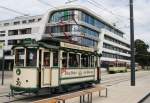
(45, 69)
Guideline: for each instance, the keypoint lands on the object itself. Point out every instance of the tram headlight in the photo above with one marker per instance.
(18, 71)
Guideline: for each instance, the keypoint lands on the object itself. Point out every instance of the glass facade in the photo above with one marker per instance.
(85, 41)
(91, 20)
(76, 28)
(69, 15)
(99, 24)
(73, 28)
(62, 15)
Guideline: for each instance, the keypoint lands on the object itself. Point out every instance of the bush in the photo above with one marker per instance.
(121, 71)
(112, 72)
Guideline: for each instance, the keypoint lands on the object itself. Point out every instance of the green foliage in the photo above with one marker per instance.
(117, 70)
(142, 56)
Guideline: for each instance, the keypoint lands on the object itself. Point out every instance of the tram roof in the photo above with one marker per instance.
(37, 44)
(56, 44)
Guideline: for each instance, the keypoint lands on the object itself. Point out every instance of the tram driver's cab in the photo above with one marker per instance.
(32, 67)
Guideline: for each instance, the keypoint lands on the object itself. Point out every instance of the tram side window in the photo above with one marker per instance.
(46, 60)
(19, 57)
(84, 60)
(74, 60)
(31, 57)
(92, 61)
(64, 60)
(55, 58)
(96, 62)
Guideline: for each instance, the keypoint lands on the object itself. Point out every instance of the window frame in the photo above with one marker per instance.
(24, 59)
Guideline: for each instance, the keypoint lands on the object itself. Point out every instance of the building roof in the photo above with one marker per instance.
(20, 18)
(87, 10)
(79, 7)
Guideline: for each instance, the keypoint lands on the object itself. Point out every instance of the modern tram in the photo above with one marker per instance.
(53, 64)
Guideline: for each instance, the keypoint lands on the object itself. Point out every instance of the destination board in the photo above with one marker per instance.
(78, 47)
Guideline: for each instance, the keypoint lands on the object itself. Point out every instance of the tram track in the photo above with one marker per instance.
(117, 80)
(109, 81)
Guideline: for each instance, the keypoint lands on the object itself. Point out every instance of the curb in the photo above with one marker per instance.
(143, 99)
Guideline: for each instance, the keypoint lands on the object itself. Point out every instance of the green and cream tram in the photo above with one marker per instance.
(52, 64)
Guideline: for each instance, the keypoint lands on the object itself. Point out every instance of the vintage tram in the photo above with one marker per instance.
(53, 64)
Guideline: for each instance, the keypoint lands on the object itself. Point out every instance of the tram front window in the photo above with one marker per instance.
(19, 57)
(31, 57)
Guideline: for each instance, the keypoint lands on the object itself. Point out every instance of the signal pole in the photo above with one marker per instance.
(3, 66)
(132, 44)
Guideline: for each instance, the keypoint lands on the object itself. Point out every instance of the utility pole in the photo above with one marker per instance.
(132, 44)
(3, 61)
(3, 66)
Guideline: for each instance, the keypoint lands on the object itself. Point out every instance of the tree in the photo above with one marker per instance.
(142, 56)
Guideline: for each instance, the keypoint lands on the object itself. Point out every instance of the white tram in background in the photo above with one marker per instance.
(53, 64)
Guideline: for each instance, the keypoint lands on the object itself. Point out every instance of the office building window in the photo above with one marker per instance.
(32, 20)
(25, 31)
(116, 56)
(2, 33)
(24, 22)
(116, 41)
(39, 19)
(6, 24)
(12, 32)
(17, 22)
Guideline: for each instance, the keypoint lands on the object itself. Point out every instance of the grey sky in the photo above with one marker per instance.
(119, 9)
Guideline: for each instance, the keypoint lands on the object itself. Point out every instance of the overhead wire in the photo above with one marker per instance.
(101, 6)
(98, 5)
(118, 17)
(107, 10)
(12, 10)
(93, 2)
(45, 3)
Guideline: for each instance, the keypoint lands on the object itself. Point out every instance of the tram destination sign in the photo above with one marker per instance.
(78, 47)
(1, 49)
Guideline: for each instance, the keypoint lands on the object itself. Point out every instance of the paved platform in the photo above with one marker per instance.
(124, 93)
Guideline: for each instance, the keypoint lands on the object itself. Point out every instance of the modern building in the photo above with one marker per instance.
(73, 23)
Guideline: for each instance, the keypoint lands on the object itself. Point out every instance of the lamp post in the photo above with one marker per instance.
(116, 60)
(3, 61)
(132, 44)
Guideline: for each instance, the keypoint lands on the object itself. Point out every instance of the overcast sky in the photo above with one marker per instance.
(114, 11)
